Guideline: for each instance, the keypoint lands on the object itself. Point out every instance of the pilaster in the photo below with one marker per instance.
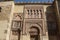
(10, 20)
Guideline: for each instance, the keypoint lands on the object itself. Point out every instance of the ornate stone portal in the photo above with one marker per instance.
(29, 25)
(34, 22)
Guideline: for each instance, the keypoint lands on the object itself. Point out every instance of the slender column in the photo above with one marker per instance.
(39, 14)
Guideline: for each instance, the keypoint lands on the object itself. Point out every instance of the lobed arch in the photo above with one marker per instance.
(36, 26)
(36, 29)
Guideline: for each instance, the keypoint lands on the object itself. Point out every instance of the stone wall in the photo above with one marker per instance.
(4, 18)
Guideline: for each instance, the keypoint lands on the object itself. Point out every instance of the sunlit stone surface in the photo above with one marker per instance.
(30, 20)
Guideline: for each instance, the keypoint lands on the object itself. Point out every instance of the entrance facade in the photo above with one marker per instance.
(31, 24)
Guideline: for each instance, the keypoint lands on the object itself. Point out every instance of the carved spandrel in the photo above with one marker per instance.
(17, 17)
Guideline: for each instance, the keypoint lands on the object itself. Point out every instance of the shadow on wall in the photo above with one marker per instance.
(51, 23)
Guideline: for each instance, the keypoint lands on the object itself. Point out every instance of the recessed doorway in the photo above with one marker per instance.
(34, 33)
